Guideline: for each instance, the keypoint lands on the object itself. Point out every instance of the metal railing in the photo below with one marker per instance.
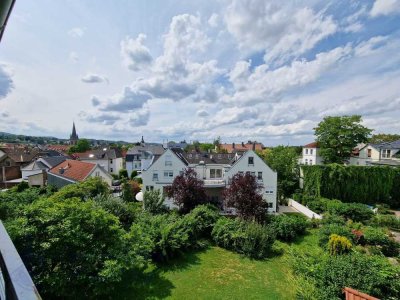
(15, 281)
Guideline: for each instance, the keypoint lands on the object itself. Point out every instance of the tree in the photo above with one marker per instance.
(337, 137)
(123, 173)
(134, 174)
(383, 137)
(129, 190)
(74, 249)
(244, 194)
(81, 146)
(283, 160)
(187, 191)
(153, 202)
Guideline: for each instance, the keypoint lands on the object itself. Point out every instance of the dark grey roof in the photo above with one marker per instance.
(53, 161)
(387, 145)
(181, 155)
(210, 158)
(155, 149)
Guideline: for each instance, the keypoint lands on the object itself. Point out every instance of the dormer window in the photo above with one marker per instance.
(386, 153)
(251, 160)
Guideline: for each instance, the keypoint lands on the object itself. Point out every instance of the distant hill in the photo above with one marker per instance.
(6, 137)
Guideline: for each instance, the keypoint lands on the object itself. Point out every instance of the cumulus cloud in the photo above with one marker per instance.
(139, 117)
(202, 113)
(128, 100)
(213, 21)
(6, 82)
(95, 101)
(73, 57)
(94, 78)
(282, 30)
(385, 7)
(135, 55)
(263, 84)
(4, 114)
(76, 32)
(102, 118)
(234, 115)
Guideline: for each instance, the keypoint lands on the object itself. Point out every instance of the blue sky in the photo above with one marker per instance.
(239, 69)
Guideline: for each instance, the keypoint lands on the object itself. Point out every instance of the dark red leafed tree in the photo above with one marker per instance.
(244, 195)
(187, 191)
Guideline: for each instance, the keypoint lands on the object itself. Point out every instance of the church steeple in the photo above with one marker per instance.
(73, 138)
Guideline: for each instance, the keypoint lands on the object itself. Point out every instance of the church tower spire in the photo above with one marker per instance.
(73, 138)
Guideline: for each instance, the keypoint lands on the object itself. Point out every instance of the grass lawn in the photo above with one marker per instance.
(215, 273)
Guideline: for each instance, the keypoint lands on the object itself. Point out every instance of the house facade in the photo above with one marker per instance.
(110, 159)
(310, 155)
(387, 153)
(215, 170)
(140, 157)
(36, 172)
(73, 171)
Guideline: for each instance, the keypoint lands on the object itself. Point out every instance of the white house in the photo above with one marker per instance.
(387, 153)
(310, 155)
(215, 170)
(140, 157)
(110, 159)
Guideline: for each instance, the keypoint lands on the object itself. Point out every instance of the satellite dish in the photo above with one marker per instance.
(139, 196)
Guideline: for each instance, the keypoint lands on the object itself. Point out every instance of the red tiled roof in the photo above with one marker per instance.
(312, 145)
(63, 148)
(73, 169)
(352, 294)
(241, 147)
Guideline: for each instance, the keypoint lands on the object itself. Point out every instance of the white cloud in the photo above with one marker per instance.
(202, 113)
(76, 32)
(6, 82)
(368, 47)
(128, 100)
(385, 7)
(135, 55)
(139, 117)
(94, 78)
(213, 21)
(282, 30)
(102, 118)
(73, 57)
(95, 101)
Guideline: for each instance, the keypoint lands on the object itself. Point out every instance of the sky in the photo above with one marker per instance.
(171, 70)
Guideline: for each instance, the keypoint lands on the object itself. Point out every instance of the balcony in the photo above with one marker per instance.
(15, 281)
(214, 183)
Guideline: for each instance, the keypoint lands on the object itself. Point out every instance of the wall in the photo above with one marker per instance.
(304, 210)
(98, 172)
(38, 179)
(57, 181)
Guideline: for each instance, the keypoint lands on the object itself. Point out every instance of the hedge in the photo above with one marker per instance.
(369, 185)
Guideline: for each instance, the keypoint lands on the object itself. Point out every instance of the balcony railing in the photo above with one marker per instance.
(15, 281)
(214, 182)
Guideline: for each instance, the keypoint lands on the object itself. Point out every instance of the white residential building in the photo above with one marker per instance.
(215, 170)
(310, 155)
(110, 159)
(140, 157)
(387, 153)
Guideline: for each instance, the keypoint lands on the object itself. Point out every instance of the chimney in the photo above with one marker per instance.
(254, 146)
(242, 144)
(233, 145)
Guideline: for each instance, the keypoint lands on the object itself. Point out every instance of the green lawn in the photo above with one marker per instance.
(216, 273)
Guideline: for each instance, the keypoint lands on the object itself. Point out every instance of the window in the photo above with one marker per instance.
(240, 172)
(149, 188)
(259, 177)
(269, 192)
(253, 174)
(306, 161)
(168, 174)
(251, 160)
(155, 176)
(311, 151)
(111, 170)
(310, 161)
(369, 152)
(270, 205)
(168, 163)
(215, 173)
(306, 151)
(386, 153)
(110, 161)
(97, 174)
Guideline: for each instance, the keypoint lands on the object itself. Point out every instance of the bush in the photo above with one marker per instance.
(384, 244)
(327, 230)
(351, 211)
(22, 186)
(287, 228)
(88, 189)
(153, 202)
(117, 207)
(333, 219)
(123, 173)
(201, 220)
(248, 238)
(373, 275)
(386, 221)
(338, 245)
(73, 248)
(134, 174)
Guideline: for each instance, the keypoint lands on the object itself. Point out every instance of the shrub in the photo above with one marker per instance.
(287, 228)
(378, 237)
(153, 202)
(248, 238)
(88, 189)
(333, 219)
(327, 230)
(387, 221)
(201, 220)
(338, 245)
(351, 211)
(117, 207)
(123, 173)
(22, 186)
(134, 174)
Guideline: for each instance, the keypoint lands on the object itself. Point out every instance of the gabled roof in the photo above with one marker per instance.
(35, 165)
(21, 155)
(53, 160)
(155, 149)
(242, 146)
(95, 154)
(387, 145)
(73, 169)
(210, 158)
(312, 145)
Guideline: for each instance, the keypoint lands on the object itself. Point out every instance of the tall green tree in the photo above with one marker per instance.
(337, 137)
(81, 146)
(284, 161)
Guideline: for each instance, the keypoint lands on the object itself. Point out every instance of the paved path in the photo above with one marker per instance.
(287, 209)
